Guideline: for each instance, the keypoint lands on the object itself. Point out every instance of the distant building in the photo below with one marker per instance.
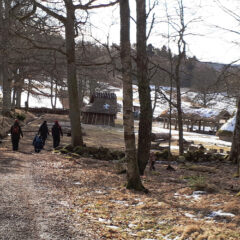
(196, 118)
(101, 110)
(226, 131)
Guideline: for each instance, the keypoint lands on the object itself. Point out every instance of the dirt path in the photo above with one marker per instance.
(34, 198)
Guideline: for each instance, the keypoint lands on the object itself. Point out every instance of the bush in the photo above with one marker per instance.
(162, 155)
(20, 116)
(197, 183)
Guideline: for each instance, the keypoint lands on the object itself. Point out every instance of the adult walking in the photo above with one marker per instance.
(56, 132)
(16, 132)
(43, 131)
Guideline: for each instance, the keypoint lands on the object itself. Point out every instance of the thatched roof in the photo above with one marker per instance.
(102, 102)
(203, 114)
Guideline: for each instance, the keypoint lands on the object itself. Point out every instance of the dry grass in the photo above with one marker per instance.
(200, 168)
(233, 206)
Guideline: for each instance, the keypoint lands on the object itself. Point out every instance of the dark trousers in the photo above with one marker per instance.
(56, 141)
(37, 150)
(15, 143)
(43, 139)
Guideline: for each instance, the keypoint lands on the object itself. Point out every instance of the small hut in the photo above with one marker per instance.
(101, 110)
(226, 131)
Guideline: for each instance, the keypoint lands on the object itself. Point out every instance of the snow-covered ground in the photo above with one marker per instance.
(205, 139)
(219, 103)
(39, 101)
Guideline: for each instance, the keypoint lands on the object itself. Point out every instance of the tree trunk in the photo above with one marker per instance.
(51, 90)
(5, 22)
(179, 119)
(133, 177)
(13, 97)
(235, 149)
(74, 111)
(56, 95)
(20, 82)
(28, 92)
(145, 119)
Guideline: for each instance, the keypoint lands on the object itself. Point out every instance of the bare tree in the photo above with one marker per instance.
(71, 24)
(133, 177)
(235, 148)
(145, 120)
(5, 7)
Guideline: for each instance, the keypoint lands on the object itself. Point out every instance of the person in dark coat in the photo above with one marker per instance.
(16, 132)
(43, 131)
(152, 160)
(56, 132)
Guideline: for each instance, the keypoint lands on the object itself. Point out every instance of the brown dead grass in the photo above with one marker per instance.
(191, 231)
(233, 206)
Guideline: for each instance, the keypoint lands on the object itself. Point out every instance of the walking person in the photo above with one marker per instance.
(56, 132)
(16, 132)
(43, 131)
(38, 143)
(152, 161)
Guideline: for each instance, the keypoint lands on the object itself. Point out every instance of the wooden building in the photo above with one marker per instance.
(101, 110)
(196, 118)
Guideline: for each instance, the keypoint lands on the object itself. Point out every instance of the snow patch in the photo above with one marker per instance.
(229, 125)
(220, 213)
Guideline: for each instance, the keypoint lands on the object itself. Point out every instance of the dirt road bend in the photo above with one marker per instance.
(34, 193)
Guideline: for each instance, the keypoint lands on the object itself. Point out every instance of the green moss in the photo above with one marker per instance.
(69, 148)
(78, 150)
(197, 183)
(64, 151)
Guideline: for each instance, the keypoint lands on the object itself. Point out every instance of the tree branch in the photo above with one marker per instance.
(89, 5)
(50, 12)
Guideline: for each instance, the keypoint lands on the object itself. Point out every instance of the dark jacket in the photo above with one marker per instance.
(57, 130)
(16, 131)
(38, 142)
(43, 130)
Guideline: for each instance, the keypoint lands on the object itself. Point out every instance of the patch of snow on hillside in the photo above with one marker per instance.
(39, 101)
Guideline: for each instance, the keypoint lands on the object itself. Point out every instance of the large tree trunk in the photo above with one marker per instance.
(235, 149)
(133, 177)
(74, 112)
(145, 120)
(5, 24)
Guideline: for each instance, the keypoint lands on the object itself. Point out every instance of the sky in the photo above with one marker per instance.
(205, 36)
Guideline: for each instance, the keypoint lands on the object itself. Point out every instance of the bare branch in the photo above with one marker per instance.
(89, 5)
(50, 12)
